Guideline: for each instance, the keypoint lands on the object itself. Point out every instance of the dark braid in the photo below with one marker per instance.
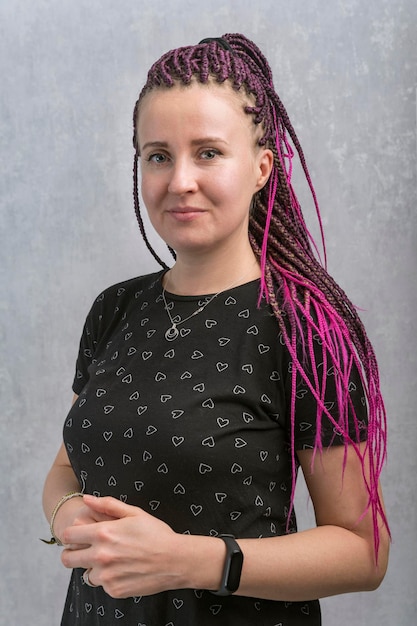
(304, 298)
(138, 214)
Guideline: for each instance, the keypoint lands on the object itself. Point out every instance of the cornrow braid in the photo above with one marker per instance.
(305, 300)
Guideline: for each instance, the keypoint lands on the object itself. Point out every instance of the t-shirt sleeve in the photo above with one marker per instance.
(99, 321)
(313, 426)
(87, 347)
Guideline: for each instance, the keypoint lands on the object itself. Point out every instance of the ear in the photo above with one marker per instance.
(265, 161)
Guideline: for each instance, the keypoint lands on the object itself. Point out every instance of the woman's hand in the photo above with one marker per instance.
(75, 513)
(129, 552)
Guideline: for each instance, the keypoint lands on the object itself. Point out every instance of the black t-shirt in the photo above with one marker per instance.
(195, 431)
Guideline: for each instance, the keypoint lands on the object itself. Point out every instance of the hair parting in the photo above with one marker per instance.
(306, 301)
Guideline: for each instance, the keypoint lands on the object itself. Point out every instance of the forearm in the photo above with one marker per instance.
(138, 554)
(320, 562)
(60, 481)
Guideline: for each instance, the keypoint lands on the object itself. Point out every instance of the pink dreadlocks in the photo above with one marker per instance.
(304, 298)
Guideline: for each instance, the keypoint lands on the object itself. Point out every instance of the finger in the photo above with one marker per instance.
(76, 546)
(109, 506)
(87, 578)
(76, 558)
(87, 517)
(92, 516)
(80, 535)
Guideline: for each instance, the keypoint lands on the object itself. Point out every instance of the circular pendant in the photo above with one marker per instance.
(172, 333)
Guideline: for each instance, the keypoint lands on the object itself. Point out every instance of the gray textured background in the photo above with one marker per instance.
(70, 73)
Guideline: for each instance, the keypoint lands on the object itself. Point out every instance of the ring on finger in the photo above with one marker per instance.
(86, 578)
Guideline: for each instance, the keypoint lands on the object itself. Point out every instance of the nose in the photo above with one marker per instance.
(183, 177)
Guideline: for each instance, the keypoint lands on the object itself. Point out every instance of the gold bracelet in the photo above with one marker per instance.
(68, 496)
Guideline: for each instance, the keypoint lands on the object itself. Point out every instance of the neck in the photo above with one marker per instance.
(203, 276)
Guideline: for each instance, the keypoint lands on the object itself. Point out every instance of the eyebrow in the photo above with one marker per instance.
(194, 142)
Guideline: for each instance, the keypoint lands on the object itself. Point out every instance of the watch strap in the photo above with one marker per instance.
(232, 567)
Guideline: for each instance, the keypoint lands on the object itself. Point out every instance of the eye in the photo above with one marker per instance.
(157, 157)
(209, 154)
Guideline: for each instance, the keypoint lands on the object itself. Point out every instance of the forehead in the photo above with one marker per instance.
(210, 89)
(196, 102)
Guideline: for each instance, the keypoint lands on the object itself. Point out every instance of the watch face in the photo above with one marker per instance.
(235, 570)
(232, 567)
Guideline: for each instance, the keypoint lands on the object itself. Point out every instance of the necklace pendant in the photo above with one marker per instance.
(172, 333)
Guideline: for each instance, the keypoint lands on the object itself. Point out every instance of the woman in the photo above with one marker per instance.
(202, 388)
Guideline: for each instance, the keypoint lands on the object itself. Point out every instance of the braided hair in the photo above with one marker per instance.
(305, 300)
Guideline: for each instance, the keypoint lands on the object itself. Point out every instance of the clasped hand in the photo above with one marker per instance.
(129, 552)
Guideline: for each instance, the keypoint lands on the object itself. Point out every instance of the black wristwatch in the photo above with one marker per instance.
(232, 567)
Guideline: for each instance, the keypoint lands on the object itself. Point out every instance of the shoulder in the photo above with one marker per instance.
(133, 287)
(116, 300)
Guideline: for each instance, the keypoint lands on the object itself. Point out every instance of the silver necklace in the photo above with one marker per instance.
(172, 333)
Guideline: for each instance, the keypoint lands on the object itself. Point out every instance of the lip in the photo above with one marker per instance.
(185, 214)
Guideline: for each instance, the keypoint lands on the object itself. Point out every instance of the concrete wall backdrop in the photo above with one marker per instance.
(70, 73)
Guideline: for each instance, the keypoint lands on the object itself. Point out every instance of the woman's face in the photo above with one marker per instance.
(200, 166)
